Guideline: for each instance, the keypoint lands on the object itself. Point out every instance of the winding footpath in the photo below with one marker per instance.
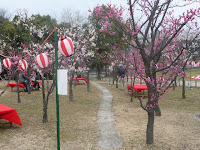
(109, 137)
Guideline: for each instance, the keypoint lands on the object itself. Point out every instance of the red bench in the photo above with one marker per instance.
(79, 79)
(9, 114)
(14, 84)
(137, 87)
(20, 84)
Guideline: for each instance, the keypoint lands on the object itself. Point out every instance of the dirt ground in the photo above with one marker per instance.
(78, 121)
(177, 129)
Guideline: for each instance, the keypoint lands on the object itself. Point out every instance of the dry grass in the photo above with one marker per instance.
(177, 128)
(78, 121)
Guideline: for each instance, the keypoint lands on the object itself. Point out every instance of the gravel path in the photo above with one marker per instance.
(109, 137)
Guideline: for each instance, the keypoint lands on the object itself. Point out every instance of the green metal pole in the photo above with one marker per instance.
(57, 96)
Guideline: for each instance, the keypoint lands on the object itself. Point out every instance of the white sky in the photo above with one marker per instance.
(54, 7)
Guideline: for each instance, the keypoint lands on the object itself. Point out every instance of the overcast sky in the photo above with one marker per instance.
(54, 7)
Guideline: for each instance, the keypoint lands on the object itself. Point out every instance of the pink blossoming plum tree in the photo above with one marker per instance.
(153, 31)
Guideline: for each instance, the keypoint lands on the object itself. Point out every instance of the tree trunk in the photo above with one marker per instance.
(116, 82)
(75, 82)
(3, 91)
(28, 78)
(150, 125)
(47, 82)
(175, 83)
(183, 87)
(45, 119)
(113, 75)
(131, 89)
(70, 90)
(106, 72)
(18, 95)
(157, 110)
(88, 81)
(98, 73)
(43, 90)
(70, 87)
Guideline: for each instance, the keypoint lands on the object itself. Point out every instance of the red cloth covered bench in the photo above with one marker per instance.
(137, 87)
(78, 79)
(9, 114)
(20, 84)
(83, 79)
(14, 84)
